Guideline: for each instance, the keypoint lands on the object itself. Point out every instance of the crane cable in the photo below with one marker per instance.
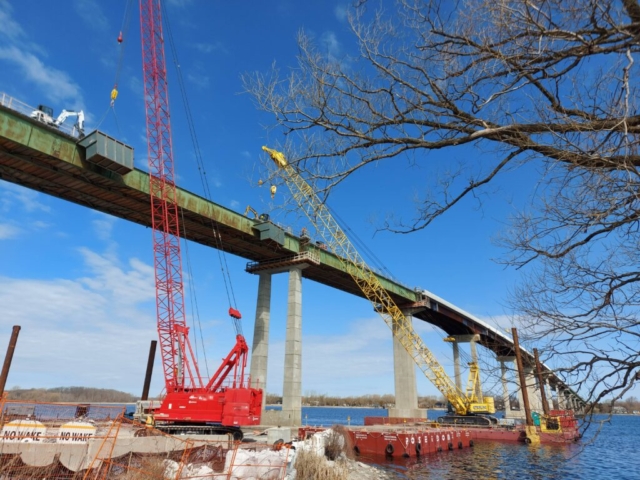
(124, 31)
(360, 245)
(234, 313)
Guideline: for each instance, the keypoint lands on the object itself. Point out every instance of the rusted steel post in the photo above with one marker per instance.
(147, 377)
(541, 384)
(523, 380)
(8, 358)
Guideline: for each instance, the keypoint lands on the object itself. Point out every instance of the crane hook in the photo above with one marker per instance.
(114, 94)
(273, 191)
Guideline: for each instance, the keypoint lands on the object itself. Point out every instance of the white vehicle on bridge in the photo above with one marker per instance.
(44, 114)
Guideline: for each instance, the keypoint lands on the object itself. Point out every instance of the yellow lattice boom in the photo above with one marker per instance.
(338, 243)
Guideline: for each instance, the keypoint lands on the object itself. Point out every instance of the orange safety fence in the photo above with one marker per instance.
(87, 441)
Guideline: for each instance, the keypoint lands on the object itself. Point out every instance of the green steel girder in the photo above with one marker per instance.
(45, 159)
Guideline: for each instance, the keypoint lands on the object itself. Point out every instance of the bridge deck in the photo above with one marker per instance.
(47, 160)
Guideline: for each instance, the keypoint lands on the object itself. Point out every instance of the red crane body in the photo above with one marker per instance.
(226, 399)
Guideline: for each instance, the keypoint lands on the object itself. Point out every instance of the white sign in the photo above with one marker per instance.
(23, 430)
(76, 432)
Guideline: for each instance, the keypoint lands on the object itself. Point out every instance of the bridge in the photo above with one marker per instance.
(54, 162)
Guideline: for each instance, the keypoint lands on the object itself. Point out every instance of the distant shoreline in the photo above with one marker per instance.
(341, 406)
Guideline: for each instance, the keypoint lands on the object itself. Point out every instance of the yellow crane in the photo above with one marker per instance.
(466, 406)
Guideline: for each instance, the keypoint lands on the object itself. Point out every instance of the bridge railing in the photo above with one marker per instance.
(29, 111)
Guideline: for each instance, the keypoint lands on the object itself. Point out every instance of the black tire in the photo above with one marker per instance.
(527, 440)
(450, 446)
(460, 445)
(389, 449)
(356, 449)
(238, 435)
(471, 443)
(418, 448)
(439, 448)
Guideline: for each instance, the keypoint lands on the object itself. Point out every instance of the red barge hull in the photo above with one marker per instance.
(567, 433)
(391, 441)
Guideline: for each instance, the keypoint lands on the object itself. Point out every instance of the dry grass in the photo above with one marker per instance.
(310, 466)
(339, 443)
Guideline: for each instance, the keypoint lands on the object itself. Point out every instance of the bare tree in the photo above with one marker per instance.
(546, 83)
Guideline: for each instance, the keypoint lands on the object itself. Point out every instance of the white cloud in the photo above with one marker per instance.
(201, 81)
(91, 331)
(502, 323)
(28, 200)
(103, 225)
(234, 204)
(130, 286)
(333, 50)
(341, 12)
(10, 28)
(56, 84)
(211, 47)
(360, 360)
(8, 231)
(331, 43)
(40, 225)
(246, 154)
(92, 14)
(179, 3)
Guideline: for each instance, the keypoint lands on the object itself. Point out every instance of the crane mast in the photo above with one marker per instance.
(180, 369)
(226, 401)
(338, 243)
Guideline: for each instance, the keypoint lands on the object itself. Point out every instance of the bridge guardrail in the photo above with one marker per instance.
(27, 110)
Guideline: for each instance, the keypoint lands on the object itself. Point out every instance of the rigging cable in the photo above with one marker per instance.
(360, 245)
(192, 298)
(233, 312)
(124, 31)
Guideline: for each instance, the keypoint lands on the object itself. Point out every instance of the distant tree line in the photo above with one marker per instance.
(71, 394)
(630, 404)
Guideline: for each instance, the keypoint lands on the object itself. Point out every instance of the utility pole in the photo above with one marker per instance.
(147, 377)
(532, 433)
(8, 358)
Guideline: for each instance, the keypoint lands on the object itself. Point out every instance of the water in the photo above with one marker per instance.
(613, 454)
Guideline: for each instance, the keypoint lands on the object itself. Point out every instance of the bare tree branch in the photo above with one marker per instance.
(551, 84)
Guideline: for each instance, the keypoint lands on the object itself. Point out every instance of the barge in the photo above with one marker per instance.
(408, 441)
(559, 427)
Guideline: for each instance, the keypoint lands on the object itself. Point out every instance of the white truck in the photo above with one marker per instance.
(44, 114)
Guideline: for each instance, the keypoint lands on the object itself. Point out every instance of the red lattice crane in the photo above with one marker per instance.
(225, 400)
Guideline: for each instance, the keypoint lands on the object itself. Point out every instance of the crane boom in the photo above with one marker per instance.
(180, 369)
(189, 402)
(338, 243)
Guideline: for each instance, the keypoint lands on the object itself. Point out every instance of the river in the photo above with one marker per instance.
(612, 454)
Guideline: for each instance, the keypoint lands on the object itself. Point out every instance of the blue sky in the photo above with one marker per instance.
(80, 283)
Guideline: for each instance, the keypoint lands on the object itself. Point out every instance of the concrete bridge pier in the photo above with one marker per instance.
(457, 376)
(508, 412)
(291, 413)
(472, 340)
(405, 379)
(553, 402)
(292, 387)
(260, 348)
(547, 391)
(562, 399)
(533, 391)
